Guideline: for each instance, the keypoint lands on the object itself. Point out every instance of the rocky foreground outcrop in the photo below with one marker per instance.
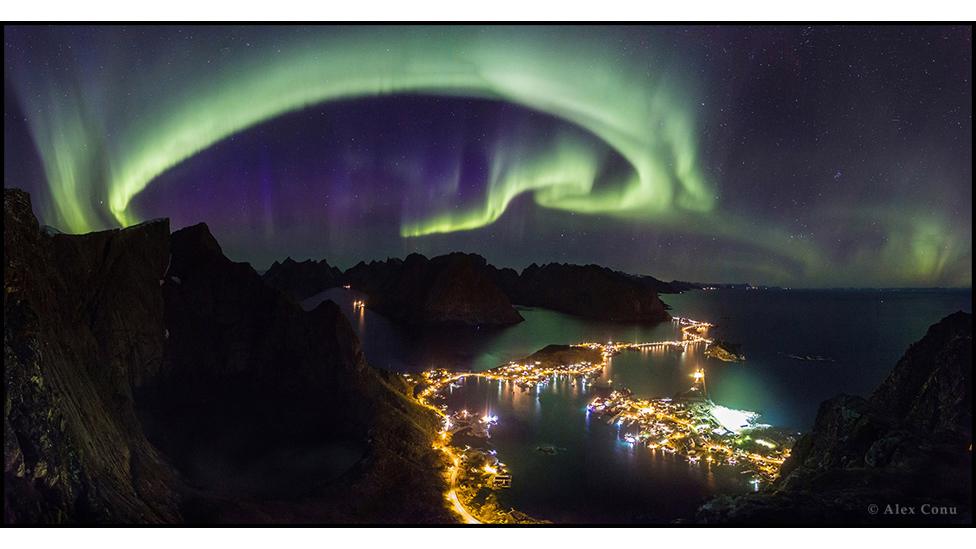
(149, 379)
(903, 455)
(301, 280)
(83, 326)
(449, 289)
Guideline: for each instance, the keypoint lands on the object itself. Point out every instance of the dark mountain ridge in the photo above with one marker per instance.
(908, 445)
(463, 288)
(302, 280)
(148, 377)
(83, 327)
(589, 291)
(449, 289)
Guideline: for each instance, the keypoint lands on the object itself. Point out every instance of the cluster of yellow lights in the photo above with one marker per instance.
(687, 428)
(663, 424)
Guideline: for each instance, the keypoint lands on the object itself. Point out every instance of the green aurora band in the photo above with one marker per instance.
(97, 160)
(579, 81)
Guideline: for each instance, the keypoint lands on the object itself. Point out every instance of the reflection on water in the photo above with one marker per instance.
(570, 466)
(401, 349)
(863, 334)
(590, 475)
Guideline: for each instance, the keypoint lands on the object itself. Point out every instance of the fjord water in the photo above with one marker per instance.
(801, 348)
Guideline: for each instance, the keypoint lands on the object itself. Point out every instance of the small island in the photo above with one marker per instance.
(725, 351)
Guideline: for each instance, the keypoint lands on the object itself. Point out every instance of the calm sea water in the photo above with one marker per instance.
(593, 476)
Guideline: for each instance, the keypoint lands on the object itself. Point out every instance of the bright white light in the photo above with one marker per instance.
(733, 420)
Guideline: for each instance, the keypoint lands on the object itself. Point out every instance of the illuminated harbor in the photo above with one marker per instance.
(689, 425)
(694, 427)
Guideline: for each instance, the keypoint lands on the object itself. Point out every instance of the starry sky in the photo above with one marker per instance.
(794, 156)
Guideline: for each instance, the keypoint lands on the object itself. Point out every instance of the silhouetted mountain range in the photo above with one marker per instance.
(449, 289)
(589, 291)
(464, 289)
(304, 279)
(150, 379)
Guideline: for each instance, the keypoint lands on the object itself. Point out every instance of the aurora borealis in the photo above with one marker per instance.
(794, 156)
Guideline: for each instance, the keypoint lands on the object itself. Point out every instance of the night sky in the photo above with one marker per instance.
(794, 156)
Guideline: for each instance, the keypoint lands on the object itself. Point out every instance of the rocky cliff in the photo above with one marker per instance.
(448, 289)
(83, 327)
(867, 461)
(150, 379)
(283, 400)
(301, 280)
